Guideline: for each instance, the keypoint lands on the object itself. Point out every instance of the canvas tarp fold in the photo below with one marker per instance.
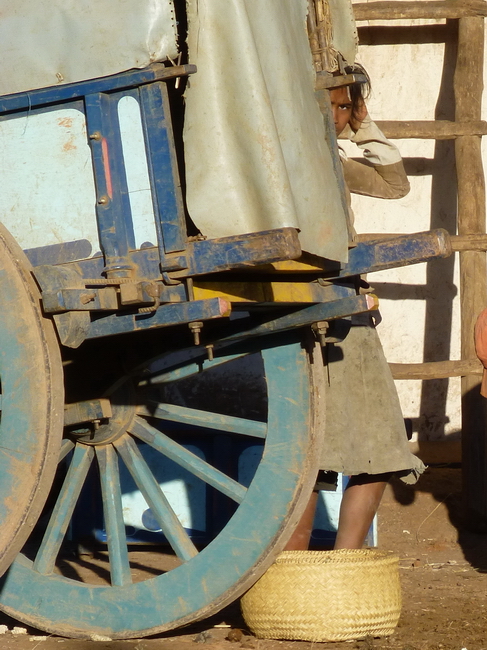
(255, 144)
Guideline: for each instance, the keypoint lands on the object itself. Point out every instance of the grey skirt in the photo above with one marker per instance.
(364, 430)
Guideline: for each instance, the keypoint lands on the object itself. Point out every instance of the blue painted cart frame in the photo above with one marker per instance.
(97, 303)
(123, 279)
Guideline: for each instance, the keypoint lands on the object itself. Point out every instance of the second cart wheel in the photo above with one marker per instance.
(31, 400)
(45, 590)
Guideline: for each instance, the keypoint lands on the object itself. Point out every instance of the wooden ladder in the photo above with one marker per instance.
(467, 16)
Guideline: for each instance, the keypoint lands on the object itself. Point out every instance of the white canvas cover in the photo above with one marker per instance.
(255, 148)
(344, 37)
(256, 155)
(47, 42)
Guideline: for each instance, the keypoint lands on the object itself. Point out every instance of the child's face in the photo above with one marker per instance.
(341, 105)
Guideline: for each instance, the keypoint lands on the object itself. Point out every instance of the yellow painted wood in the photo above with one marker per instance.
(292, 266)
(258, 292)
(307, 263)
(232, 291)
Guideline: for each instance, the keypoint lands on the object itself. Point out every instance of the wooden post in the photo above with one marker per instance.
(468, 84)
(320, 35)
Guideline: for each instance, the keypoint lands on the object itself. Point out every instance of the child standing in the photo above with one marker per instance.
(365, 436)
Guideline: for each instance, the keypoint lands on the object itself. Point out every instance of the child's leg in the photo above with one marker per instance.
(360, 502)
(300, 538)
(359, 505)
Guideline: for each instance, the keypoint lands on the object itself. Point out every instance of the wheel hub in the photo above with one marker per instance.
(105, 431)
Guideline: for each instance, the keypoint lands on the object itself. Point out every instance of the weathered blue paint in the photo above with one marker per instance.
(63, 510)
(163, 171)
(87, 411)
(169, 314)
(112, 510)
(113, 206)
(166, 369)
(92, 299)
(145, 260)
(68, 92)
(59, 253)
(200, 468)
(246, 545)
(208, 256)
(399, 251)
(67, 446)
(156, 499)
(221, 571)
(100, 105)
(242, 251)
(198, 418)
(306, 316)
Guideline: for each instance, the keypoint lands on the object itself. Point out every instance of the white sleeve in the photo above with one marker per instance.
(378, 150)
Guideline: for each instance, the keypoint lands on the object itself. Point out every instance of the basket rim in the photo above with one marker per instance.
(358, 556)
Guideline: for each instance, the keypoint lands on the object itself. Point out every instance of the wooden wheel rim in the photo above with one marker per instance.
(32, 403)
(228, 565)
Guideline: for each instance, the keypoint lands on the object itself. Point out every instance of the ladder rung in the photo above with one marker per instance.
(434, 129)
(425, 9)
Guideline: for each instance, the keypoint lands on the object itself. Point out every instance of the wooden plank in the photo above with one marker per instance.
(418, 10)
(257, 291)
(59, 253)
(308, 316)
(477, 242)
(436, 369)
(401, 251)
(468, 85)
(68, 92)
(432, 129)
(167, 315)
(235, 252)
(407, 32)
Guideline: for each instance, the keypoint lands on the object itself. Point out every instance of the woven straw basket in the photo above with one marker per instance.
(325, 596)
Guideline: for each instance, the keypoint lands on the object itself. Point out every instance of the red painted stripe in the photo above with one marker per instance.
(106, 166)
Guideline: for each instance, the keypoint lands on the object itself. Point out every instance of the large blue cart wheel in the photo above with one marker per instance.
(203, 580)
(31, 400)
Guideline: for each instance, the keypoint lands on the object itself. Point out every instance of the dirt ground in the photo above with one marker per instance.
(443, 571)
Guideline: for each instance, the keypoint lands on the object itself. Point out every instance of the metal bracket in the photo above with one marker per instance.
(72, 327)
(89, 411)
(110, 298)
(326, 81)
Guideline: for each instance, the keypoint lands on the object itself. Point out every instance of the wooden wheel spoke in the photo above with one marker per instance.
(205, 419)
(188, 460)
(66, 446)
(113, 513)
(63, 510)
(156, 500)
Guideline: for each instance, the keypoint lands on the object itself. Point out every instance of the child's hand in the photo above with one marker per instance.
(361, 114)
